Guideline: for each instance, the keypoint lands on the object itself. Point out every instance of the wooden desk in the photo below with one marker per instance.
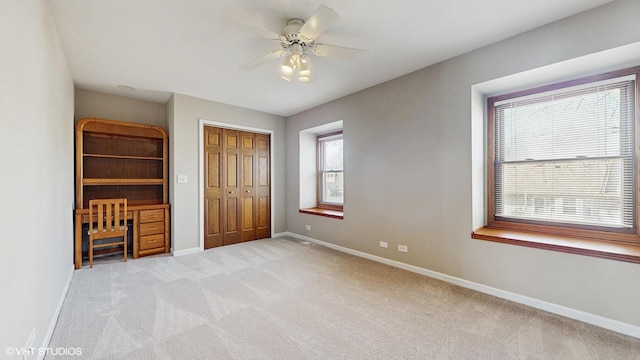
(150, 230)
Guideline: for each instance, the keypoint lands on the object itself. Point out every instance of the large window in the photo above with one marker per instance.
(330, 171)
(563, 158)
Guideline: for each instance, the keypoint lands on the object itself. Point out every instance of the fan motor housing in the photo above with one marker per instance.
(291, 33)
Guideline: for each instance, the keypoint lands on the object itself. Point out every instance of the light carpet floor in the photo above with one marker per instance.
(286, 299)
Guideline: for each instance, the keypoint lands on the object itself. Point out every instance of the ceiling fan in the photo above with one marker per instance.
(297, 40)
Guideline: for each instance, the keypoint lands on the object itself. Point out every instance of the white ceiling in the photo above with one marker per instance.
(160, 47)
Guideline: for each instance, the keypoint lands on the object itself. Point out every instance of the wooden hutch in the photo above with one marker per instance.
(117, 159)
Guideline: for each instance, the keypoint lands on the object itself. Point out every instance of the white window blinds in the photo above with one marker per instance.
(567, 156)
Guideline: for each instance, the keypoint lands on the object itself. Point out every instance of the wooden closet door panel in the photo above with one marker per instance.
(248, 190)
(263, 187)
(213, 228)
(231, 220)
(212, 187)
(231, 187)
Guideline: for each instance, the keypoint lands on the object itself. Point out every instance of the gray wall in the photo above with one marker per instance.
(408, 171)
(183, 116)
(107, 106)
(36, 143)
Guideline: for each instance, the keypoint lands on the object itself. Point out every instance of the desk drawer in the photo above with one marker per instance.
(151, 215)
(151, 241)
(151, 228)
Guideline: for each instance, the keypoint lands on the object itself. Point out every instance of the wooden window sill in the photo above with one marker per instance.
(323, 212)
(590, 247)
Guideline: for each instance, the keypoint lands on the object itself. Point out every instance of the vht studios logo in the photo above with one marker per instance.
(59, 351)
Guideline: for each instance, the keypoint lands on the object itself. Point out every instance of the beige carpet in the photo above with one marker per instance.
(285, 299)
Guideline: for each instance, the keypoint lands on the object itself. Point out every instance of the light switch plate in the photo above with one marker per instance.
(182, 179)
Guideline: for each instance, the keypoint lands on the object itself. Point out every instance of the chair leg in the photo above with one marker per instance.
(90, 253)
(125, 247)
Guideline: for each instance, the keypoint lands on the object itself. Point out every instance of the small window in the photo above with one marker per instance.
(564, 157)
(330, 171)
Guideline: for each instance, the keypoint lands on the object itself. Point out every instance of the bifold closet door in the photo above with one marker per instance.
(248, 186)
(237, 186)
(212, 187)
(255, 200)
(263, 186)
(230, 187)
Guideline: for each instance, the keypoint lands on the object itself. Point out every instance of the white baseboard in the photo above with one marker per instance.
(281, 235)
(56, 314)
(597, 320)
(185, 251)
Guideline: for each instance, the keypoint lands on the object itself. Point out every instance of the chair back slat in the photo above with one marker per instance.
(116, 216)
(108, 219)
(101, 217)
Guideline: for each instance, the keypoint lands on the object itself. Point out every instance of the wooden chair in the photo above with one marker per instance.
(110, 216)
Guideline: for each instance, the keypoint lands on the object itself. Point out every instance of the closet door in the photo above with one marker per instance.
(237, 186)
(231, 187)
(212, 187)
(263, 187)
(248, 189)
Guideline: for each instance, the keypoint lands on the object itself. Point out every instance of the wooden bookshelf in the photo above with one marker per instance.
(117, 159)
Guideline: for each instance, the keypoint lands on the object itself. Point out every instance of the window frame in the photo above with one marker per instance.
(319, 172)
(568, 238)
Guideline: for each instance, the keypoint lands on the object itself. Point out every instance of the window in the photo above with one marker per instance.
(330, 171)
(321, 170)
(563, 160)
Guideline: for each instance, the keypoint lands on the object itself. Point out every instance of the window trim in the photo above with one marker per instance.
(321, 204)
(599, 243)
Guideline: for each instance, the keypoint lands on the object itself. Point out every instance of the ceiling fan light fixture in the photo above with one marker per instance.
(297, 39)
(289, 65)
(305, 66)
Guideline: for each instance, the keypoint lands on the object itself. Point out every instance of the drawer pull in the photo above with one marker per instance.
(152, 215)
(152, 241)
(152, 228)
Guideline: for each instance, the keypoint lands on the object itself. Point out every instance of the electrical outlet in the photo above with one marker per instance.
(383, 244)
(403, 248)
(307, 227)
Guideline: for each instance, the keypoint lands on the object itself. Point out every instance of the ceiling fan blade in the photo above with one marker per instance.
(319, 21)
(339, 52)
(262, 60)
(251, 29)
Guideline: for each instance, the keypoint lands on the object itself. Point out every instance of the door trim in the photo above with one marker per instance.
(201, 124)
